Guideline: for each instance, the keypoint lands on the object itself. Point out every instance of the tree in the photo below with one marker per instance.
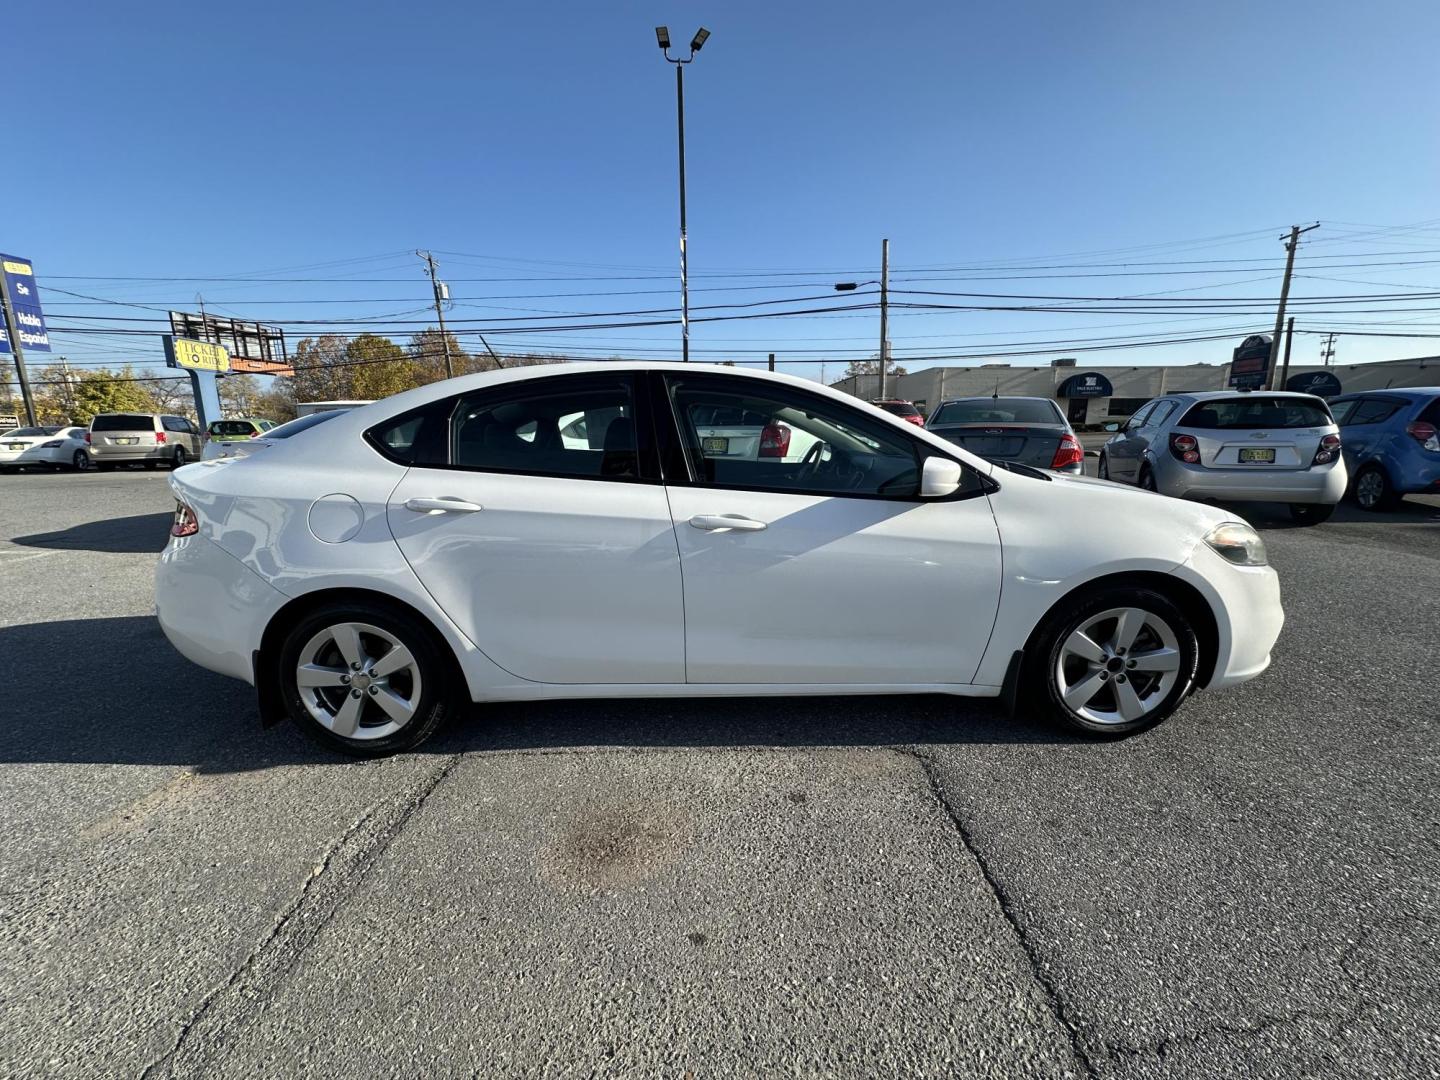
(237, 393)
(109, 391)
(320, 370)
(872, 367)
(278, 402)
(173, 396)
(427, 354)
(380, 368)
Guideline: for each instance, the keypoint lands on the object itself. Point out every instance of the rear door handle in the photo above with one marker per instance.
(443, 505)
(717, 522)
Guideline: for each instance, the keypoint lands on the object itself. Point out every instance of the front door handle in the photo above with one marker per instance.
(718, 522)
(443, 505)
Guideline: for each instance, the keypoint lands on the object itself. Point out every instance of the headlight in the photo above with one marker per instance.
(1237, 542)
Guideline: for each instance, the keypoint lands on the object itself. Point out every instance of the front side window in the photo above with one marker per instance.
(771, 438)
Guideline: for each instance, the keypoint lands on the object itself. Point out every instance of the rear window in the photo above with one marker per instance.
(1257, 412)
(1000, 410)
(232, 427)
(30, 431)
(899, 408)
(304, 423)
(122, 422)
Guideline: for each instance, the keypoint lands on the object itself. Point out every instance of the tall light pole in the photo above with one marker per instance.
(884, 283)
(662, 37)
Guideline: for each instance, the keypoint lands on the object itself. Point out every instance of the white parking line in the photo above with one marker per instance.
(18, 555)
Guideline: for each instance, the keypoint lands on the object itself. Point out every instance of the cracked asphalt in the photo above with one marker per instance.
(815, 887)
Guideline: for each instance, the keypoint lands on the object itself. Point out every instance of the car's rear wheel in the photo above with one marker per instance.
(365, 679)
(81, 461)
(1310, 513)
(1115, 662)
(1147, 478)
(1373, 490)
(180, 457)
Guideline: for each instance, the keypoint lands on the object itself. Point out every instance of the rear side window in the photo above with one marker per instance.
(1374, 410)
(997, 411)
(122, 422)
(176, 423)
(580, 429)
(1159, 414)
(1252, 411)
(1431, 413)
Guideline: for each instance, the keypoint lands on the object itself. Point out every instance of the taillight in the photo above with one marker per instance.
(87, 438)
(1069, 452)
(185, 523)
(1329, 450)
(1186, 448)
(1423, 433)
(159, 438)
(917, 419)
(254, 434)
(775, 440)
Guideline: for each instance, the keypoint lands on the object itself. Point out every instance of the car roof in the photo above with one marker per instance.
(997, 397)
(1214, 395)
(1412, 392)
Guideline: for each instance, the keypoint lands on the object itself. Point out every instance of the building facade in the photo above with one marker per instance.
(1097, 395)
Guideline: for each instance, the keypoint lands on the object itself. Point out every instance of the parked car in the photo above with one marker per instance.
(1029, 430)
(419, 552)
(1233, 446)
(51, 447)
(230, 449)
(142, 438)
(237, 428)
(1391, 443)
(906, 410)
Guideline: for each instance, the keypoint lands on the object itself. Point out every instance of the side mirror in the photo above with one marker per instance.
(939, 477)
(1112, 427)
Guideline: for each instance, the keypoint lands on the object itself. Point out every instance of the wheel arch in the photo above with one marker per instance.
(1178, 591)
(267, 674)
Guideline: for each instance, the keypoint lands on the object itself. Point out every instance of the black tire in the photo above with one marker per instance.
(1373, 490)
(1147, 478)
(1047, 657)
(440, 685)
(1102, 467)
(81, 461)
(180, 458)
(1310, 513)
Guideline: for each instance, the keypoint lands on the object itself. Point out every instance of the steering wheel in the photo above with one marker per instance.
(810, 463)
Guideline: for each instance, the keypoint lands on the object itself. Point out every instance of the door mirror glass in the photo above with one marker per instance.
(1112, 427)
(939, 477)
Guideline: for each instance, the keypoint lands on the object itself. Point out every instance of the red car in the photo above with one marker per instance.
(903, 409)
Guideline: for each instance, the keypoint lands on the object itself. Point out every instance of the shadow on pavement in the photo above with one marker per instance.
(141, 534)
(114, 691)
(1277, 515)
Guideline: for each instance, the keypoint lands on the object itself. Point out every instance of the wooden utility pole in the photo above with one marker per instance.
(1289, 340)
(1290, 245)
(884, 312)
(772, 361)
(436, 285)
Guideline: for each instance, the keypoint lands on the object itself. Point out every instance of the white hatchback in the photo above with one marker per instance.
(465, 543)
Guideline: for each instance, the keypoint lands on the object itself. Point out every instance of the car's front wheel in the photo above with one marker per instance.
(365, 679)
(1117, 661)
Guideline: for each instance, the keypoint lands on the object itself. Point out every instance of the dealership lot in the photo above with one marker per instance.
(817, 886)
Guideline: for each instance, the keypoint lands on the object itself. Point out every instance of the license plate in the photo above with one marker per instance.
(1264, 457)
(17, 446)
(126, 442)
(715, 446)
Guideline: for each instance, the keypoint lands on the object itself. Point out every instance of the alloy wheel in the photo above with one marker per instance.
(82, 461)
(1370, 489)
(1118, 666)
(358, 681)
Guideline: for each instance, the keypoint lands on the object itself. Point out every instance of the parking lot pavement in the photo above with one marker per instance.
(819, 886)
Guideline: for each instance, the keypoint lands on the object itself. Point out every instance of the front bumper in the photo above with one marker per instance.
(1323, 484)
(212, 607)
(1245, 601)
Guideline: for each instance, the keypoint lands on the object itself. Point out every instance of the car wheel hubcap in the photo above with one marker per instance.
(358, 681)
(1370, 488)
(82, 462)
(1118, 666)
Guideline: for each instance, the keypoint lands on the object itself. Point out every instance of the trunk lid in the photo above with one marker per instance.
(1029, 444)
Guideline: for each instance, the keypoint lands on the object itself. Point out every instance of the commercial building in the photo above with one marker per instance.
(1095, 395)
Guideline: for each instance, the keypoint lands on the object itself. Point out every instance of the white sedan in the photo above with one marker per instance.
(457, 544)
(52, 447)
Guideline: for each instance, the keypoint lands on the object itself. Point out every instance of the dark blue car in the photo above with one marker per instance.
(1391, 443)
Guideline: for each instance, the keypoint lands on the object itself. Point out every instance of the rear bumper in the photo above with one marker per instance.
(1417, 473)
(118, 454)
(1323, 484)
(212, 607)
(34, 456)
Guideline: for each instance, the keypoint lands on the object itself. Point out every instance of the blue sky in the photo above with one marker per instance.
(1029, 142)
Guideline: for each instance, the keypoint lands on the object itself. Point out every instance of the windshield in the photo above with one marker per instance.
(1250, 411)
(998, 410)
(304, 423)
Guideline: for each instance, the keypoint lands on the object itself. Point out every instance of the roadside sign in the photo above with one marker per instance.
(19, 283)
(197, 355)
(1250, 363)
(1320, 383)
(8, 421)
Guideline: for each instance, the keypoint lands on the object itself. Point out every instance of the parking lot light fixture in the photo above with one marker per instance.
(662, 36)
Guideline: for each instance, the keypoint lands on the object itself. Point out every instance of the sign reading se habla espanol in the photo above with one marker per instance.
(19, 283)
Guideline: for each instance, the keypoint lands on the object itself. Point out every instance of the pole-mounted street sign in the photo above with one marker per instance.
(24, 297)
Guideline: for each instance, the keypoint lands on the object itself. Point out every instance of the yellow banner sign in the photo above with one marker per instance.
(201, 356)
